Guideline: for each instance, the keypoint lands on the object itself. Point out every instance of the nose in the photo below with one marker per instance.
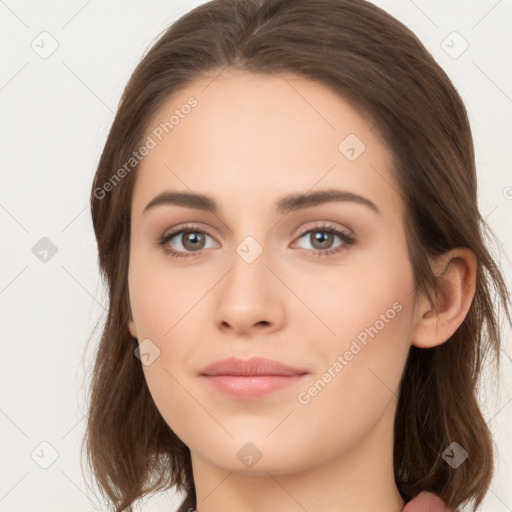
(250, 298)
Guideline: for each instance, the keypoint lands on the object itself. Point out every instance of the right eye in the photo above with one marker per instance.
(190, 238)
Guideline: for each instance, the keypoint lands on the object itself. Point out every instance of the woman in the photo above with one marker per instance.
(250, 370)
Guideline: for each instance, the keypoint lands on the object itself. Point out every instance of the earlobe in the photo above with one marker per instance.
(456, 273)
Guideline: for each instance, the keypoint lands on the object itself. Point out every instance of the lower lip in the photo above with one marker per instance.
(251, 386)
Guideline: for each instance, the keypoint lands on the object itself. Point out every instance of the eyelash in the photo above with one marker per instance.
(347, 239)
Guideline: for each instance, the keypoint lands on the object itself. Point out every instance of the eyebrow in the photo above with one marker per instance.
(286, 204)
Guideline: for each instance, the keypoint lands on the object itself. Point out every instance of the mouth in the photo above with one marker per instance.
(250, 379)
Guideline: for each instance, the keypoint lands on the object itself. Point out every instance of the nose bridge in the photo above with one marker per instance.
(249, 292)
(251, 239)
(249, 262)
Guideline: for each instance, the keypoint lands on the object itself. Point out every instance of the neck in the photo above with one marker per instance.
(357, 480)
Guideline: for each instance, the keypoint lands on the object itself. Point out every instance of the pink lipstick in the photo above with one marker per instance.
(252, 378)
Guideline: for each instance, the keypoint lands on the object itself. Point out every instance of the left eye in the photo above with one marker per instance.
(322, 238)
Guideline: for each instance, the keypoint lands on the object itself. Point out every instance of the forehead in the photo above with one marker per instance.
(244, 136)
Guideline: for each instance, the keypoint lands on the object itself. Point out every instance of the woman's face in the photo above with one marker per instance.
(323, 286)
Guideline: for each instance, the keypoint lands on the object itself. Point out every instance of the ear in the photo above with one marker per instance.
(130, 323)
(131, 327)
(456, 274)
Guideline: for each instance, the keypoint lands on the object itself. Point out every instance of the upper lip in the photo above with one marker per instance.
(253, 366)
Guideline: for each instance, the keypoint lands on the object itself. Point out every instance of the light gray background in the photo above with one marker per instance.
(55, 113)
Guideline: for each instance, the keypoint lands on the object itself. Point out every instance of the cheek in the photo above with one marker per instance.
(159, 298)
(370, 301)
(362, 366)
(162, 306)
(371, 313)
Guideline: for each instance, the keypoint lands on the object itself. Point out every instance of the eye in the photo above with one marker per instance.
(192, 239)
(321, 238)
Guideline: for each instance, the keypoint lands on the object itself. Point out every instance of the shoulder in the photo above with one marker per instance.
(427, 502)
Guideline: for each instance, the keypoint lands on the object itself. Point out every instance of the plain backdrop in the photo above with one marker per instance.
(55, 110)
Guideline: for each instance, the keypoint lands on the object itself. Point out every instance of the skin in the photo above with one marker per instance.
(251, 140)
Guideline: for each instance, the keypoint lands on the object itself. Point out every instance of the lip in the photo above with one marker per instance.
(252, 378)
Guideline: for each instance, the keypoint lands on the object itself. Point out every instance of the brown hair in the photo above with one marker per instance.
(364, 54)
